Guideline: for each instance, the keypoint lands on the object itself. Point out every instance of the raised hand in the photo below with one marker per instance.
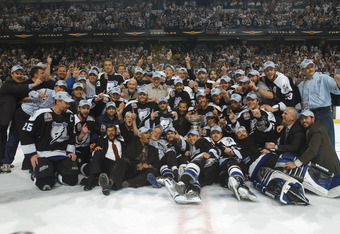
(42, 94)
(169, 55)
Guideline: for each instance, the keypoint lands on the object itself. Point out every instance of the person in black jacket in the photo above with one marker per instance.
(139, 159)
(11, 93)
(104, 157)
(292, 136)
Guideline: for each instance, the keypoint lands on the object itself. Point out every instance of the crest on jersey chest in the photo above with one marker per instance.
(143, 113)
(59, 132)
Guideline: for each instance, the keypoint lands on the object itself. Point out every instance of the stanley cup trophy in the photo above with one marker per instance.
(195, 121)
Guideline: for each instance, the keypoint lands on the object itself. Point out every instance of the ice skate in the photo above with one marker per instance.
(153, 181)
(246, 194)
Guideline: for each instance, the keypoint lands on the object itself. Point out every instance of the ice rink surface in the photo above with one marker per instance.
(64, 210)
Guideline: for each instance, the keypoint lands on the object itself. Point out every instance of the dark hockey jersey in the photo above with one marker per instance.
(90, 137)
(143, 111)
(48, 134)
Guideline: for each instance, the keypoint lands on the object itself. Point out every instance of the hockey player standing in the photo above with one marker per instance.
(48, 138)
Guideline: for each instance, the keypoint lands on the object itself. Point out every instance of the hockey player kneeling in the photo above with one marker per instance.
(48, 139)
(202, 169)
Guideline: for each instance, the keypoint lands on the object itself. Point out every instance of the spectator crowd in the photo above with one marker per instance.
(160, 14)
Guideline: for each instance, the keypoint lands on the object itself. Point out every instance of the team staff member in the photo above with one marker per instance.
(48, 138)
(11, 92)
(315, 93)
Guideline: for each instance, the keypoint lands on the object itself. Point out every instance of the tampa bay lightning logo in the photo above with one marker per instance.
(176, 102)
(59, 132)
(165, 123)
(111, 85)
(143, 113)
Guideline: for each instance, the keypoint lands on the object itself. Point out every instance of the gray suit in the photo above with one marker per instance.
(320, 149)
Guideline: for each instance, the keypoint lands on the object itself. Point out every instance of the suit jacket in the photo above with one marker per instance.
(126, 97)
(104, 143)
(320, 149)
(294, 143)
(11, 93)
(134, 150)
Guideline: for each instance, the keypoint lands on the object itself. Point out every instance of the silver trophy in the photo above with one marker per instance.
(195, 121)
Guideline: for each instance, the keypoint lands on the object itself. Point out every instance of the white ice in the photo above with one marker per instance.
(23, 207)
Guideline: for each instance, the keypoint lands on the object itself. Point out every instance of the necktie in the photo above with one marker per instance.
(286, 134)
(115, 151)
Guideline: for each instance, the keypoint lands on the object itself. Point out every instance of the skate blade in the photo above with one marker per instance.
(232, 185)
(245, 194)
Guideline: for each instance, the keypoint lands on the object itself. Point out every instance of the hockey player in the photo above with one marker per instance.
(231, 174)
(48, 138)
(202, 170)
(142, 107)
(163, 116)
(257, 121)
(109, 117)
(86, 135)
(178, 94)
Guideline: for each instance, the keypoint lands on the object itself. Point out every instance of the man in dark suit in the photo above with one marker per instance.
(11, 93)
(108, 152)
(292, 136)
(139, 159)
(319, 147)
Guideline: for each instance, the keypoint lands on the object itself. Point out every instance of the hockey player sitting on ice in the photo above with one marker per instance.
(139, 159)
(230, 161)
(48, 138)
(202, 170)
(163, 116)
(107, 153)
(175, 152)
(318, 168)
(86, 135)
(258, 122)
(271, 182)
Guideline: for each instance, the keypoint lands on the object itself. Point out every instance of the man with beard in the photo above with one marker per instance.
(203, 85)
(138, 76)
(48, 138)
(109, 117)
(259, 88)
(108, 152)
(182, 124)
(282, 88)
(139, 159)
(178, 94)
(257, 121)
(163, 116)
(203, 108)
(142, 107)
(319, 148)
(86, 136)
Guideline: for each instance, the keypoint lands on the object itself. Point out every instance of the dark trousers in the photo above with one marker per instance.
(325, 116)
(100, 164)
(12, 143)
(3, 140)
(125, 170)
